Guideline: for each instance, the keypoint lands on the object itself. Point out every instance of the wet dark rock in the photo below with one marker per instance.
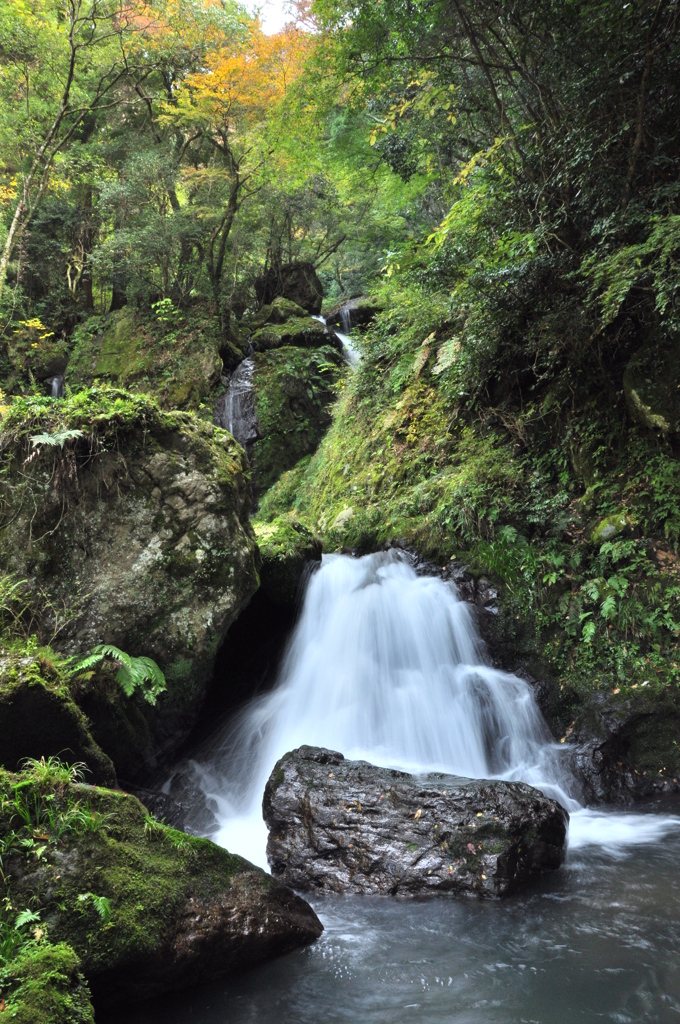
(356, 312)
(297, 281)
(623, 748)
(347, 826)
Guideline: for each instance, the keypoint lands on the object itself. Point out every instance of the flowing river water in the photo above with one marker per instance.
(387, 665)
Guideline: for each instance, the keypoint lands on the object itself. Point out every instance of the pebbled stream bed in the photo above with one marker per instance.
(598, 940)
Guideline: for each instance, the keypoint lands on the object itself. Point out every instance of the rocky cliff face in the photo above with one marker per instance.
(132, 531)
(347, 826)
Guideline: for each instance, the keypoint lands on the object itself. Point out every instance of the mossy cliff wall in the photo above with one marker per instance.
(568, 505)
(132, 530)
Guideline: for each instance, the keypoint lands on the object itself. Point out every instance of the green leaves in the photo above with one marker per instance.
(102, 904)
(57, 439)
(142, 673)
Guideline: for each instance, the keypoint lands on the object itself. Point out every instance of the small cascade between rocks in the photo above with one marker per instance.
(348, 347)
(387, 666)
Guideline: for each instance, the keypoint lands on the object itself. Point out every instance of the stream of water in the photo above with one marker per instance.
(387, 665)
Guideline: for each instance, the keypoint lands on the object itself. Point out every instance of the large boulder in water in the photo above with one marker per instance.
(129, 526)
(347, 826)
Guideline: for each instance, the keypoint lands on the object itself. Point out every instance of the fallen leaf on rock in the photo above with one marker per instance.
(470, 847)
(417, 814)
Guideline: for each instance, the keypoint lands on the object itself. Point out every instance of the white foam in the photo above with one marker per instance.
(387, 666)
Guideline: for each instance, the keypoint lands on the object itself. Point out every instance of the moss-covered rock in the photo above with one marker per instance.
(44, 985)
(277, 312)
(652, 386)
(615, 525)
(175, 358)
(286, 548)
(39, 718)
(277, 405)
(305, 333)
(146, 908)
(132, 531)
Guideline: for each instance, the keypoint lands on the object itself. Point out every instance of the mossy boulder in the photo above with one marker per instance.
(287, 547)
(277, 405)
(303, 332)
(652, 386)
(615, 525)
(44, 985)
(297, 281)
(146, 908)
(133, 531)
(277, 312)
(39, 718)
(176, 358)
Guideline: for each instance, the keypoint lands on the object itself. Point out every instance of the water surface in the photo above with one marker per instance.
(598, 940)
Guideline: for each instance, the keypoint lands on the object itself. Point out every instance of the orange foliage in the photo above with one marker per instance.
(240, 84)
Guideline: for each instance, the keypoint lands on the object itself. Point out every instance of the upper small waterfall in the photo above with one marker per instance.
(388, 666)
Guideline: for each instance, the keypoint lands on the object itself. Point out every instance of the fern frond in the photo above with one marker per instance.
(141, 673)
(58, 438)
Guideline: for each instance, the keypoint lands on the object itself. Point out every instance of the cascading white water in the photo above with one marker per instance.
(348, 347)
(387, 666)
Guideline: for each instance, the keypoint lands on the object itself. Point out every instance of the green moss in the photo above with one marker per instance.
(102, 842)
(286, 545)
(39, 717)
(178, 362)
(44, 985)
(294, 389)
(303, 332)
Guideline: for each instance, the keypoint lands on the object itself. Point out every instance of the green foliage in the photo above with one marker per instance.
(58, 439)
(101, 904)
(140, 674)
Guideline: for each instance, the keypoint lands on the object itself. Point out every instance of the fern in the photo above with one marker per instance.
(26, 917)
(141, 673)
(102, 904)
(58, 438)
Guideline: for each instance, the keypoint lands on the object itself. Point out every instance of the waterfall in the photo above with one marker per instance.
(387, 666)
(57, 387)
(348, 347)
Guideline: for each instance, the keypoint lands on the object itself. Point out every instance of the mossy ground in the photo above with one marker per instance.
(44, 985)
